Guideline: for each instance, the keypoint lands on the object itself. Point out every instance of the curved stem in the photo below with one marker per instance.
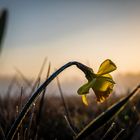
(33, 98)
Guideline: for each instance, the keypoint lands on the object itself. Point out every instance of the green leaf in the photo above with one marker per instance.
(106, 67)
(85, 88)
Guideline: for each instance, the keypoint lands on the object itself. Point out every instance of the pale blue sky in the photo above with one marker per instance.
(87, 31)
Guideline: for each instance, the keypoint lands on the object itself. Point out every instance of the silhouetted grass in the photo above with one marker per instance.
(45, 118)
(53, 125)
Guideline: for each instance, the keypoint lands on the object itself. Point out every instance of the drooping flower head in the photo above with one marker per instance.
(102, 83)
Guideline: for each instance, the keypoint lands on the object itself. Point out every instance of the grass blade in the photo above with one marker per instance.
(70, 126)
(2, 133)
(25, 134)
(38, 77)
(41, 103)
(11, 85)
(67, 116)
(31, 120)
(108, 131)
(117, 136)
(27, 82)
(105, 116)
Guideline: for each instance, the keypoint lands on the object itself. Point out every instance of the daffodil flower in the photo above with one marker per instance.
(101, 83)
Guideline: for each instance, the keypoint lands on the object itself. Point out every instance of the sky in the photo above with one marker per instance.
(88, 31)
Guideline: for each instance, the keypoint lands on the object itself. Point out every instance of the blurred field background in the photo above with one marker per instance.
(56, 32)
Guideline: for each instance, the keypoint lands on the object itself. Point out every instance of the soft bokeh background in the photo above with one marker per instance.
(86, 31)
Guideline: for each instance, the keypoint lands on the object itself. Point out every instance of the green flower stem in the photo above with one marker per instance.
(35, 95)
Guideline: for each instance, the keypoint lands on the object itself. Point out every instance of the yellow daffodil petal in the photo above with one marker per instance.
(107, 77)
(85, 88)
(102, 83)
(84, 99)
(106, 67)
